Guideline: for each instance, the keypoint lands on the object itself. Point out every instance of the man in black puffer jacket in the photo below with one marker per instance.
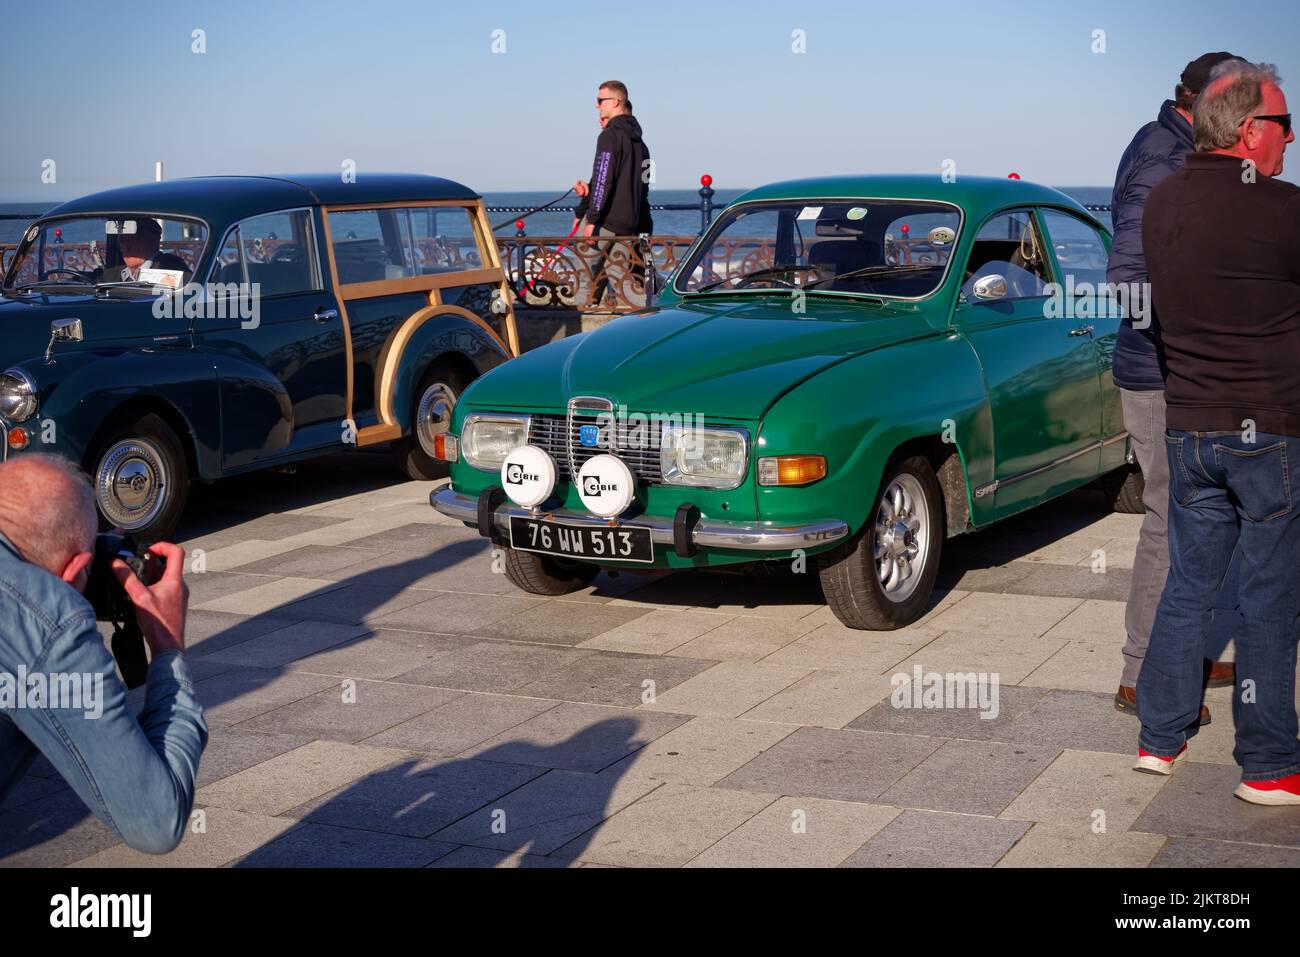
(1156, 151)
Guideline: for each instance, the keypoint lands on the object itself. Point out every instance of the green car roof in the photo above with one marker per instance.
(978, 195)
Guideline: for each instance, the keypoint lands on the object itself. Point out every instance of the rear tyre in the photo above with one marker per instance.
(1124, 488)
(547, 575)
(431, 411)
(140, 476)
(883, 577)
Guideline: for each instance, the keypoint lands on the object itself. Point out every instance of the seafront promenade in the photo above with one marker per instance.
(378, 695)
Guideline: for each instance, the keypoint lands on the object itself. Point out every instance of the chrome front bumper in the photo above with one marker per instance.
(707, 533)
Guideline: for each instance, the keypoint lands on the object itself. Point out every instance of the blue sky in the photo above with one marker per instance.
(400, 85)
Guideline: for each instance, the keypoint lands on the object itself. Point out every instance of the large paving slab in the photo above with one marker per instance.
(379, 694)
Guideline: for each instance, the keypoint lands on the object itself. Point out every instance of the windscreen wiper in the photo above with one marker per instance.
(756, 274)
(871, 271)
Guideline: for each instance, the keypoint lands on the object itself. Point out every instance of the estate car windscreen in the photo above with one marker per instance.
(891, 248)
(94, 250)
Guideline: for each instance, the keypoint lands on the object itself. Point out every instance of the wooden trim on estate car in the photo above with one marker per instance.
(390, 357)
(440, 280)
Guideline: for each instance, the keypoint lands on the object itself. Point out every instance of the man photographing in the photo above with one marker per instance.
(136, 775)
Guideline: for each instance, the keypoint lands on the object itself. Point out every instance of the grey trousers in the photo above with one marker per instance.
(1144, 418)
(621, 275)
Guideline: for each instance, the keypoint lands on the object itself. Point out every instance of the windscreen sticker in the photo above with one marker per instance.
(810, 212)
(857, 212)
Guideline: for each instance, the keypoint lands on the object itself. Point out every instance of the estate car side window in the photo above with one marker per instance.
(1009, 245)
(371, 245)
(277, 251)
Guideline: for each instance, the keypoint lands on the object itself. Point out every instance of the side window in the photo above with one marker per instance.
(280, 252)
(371, 244)
(1080, 249)
(445, 239)
(1009, 246)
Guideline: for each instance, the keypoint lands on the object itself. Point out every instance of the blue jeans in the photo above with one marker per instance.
(1226, 494)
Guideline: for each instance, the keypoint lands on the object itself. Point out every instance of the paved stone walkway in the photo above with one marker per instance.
(677, 720)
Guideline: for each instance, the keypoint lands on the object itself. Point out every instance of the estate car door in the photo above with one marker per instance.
(290, 327)
(1040, 369)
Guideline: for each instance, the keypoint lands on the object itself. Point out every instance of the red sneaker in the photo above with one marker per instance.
(1273, 791)
(1153, 764)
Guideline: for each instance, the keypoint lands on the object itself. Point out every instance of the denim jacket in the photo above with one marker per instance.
(60, 696)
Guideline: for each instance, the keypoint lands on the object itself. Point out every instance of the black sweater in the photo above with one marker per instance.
(619, 197)
(1223, 256)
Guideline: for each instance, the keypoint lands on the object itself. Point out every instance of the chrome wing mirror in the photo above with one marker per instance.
(990, 287)
(63, 330)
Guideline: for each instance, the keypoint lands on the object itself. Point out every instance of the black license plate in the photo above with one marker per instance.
(589, 542)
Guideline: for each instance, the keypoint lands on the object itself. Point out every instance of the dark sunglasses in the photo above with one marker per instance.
(602, 99)
(1284, 119)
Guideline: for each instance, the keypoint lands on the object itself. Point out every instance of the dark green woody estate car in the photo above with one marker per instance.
(200, 328)
(844, 370)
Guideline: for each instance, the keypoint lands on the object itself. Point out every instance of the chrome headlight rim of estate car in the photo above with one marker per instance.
(704, 456)
(18, 400)
(487, 438)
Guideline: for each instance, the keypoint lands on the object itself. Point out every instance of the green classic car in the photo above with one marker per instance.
(841, 373)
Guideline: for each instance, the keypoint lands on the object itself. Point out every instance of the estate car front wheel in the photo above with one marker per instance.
(883, 577)
(141, 477)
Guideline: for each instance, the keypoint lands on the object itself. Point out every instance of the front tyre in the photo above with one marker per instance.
(547, 575)
(883, 577)
(140, 476)
(435, 400)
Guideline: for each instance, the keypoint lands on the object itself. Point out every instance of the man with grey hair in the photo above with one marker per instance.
(59, 693)
(1156, 151)
(1220, 238)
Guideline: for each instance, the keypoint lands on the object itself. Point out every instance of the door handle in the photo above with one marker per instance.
(325, 315)
(1081, 331)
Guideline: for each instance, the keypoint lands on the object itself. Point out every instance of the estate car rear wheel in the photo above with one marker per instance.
(435, 400)
(141, 477)
(883, 577)
(547, 575)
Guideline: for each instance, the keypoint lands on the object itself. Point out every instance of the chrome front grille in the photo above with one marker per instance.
(558, 436)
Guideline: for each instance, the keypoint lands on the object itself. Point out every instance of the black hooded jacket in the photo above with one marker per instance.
(618, 197)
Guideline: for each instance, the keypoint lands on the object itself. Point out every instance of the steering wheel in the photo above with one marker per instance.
(288, 253)
(72, 272)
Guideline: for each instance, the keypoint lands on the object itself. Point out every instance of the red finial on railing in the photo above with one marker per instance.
(519, 224)
(905, 229)
(1013, 176)
(706, 180)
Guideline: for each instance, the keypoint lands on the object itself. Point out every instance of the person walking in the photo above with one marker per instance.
(616, 200)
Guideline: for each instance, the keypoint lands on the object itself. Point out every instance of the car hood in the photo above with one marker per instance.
(25, 323)
(728, 358)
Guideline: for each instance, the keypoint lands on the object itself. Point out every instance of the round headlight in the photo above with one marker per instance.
(17, 395)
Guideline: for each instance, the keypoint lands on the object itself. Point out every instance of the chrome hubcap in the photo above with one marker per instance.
(902, 537)
(433, 415)
(131, 484)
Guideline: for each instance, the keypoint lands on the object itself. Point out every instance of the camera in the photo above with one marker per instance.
(112, 604)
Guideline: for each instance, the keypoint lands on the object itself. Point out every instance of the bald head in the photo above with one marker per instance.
(47, 509)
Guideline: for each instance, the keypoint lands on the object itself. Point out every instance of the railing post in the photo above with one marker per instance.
(519, 248)
(706, 201)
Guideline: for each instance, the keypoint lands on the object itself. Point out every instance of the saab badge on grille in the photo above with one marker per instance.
(589, 436)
